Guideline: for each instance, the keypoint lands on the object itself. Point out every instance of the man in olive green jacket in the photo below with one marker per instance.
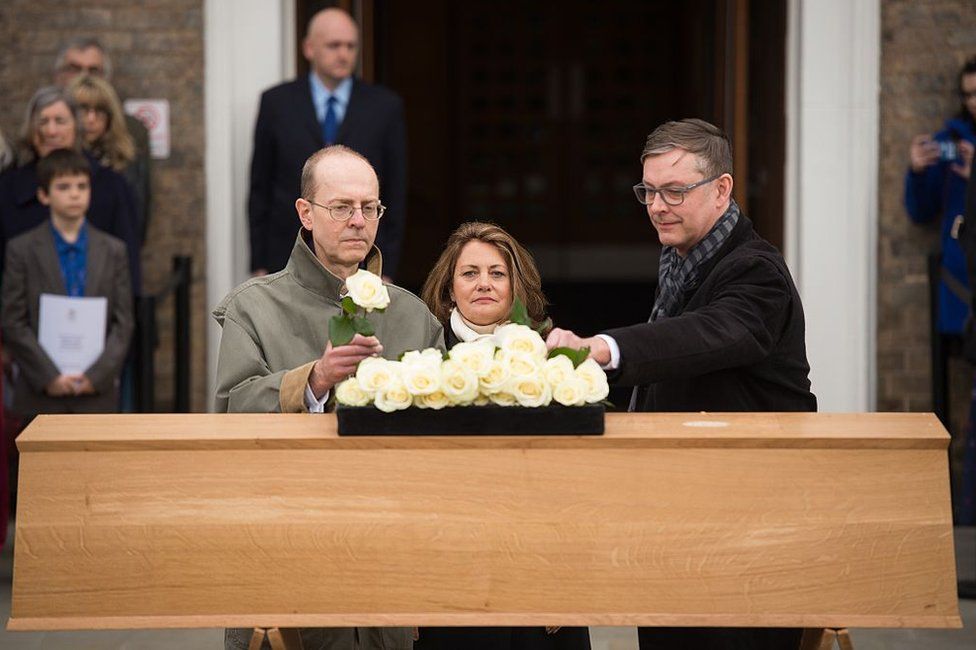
(275, 354)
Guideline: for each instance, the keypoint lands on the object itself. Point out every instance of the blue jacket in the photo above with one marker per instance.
(940, 192)
(112, 209)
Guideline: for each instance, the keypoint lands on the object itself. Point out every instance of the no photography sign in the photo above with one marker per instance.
(154, 113)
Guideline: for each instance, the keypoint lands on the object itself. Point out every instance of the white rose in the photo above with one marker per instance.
(427, 357)
(350, 393)
(436, 400)
(557, 369)
(481, 400)
(531, 391)
(520, 339)
(502, 398)
(495, 378)
(476, 356)
(375, 374)
(571, 391)
(367, 290)
(421, 373)
(394, 397)
(458, 382)
(597, 387)
(521, 365)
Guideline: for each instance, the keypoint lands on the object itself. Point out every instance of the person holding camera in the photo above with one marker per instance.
(935, 186)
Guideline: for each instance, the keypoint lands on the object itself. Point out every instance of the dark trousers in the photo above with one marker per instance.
(502, 638)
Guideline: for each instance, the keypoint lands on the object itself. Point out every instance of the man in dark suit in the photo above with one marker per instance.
(299, 117)
(726, 332)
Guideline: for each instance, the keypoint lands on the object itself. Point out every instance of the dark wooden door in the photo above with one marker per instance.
(533, 114)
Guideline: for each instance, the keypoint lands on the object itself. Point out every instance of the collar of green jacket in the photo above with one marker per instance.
(309, 271)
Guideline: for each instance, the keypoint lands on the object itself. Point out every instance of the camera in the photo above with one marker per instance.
(948, 151)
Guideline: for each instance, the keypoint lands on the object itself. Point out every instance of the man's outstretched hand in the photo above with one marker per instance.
(599, 350)
(340, 362)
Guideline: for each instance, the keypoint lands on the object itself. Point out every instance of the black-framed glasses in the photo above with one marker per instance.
(344, 212)
(671, 195)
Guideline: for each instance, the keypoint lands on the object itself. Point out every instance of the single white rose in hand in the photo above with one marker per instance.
(367, 290)
(597, 387)
(520, 339)
(350, 393)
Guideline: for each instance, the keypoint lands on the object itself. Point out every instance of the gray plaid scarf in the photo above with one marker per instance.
(676, 275)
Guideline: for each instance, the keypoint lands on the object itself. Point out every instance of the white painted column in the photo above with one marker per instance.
(249, 46)
(832, 184)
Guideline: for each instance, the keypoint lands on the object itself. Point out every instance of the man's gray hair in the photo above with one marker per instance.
(707, 142)
(44, 97)
(83, 43)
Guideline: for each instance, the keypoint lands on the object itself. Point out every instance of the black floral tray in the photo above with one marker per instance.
(472, 421)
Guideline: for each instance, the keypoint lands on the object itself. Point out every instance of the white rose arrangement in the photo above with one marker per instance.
(514, 369)
(367, 291)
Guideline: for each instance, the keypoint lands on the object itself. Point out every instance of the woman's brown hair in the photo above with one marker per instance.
(116, 148)
(526, 282)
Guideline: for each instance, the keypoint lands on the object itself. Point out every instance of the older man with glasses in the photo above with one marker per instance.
(726, 331)
(275, 354)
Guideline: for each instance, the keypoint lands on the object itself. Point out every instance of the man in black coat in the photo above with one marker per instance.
(299, 117)
(726, 331)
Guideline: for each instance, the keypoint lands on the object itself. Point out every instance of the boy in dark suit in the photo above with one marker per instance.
(65, 256)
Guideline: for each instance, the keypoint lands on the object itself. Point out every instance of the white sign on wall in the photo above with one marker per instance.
(154, 113)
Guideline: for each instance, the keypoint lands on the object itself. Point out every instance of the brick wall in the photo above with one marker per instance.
(157, 52)
(923, 45)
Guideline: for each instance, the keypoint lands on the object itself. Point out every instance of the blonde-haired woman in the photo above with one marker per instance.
(108, 139)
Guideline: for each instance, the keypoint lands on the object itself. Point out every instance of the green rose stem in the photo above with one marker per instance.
(347, 324)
